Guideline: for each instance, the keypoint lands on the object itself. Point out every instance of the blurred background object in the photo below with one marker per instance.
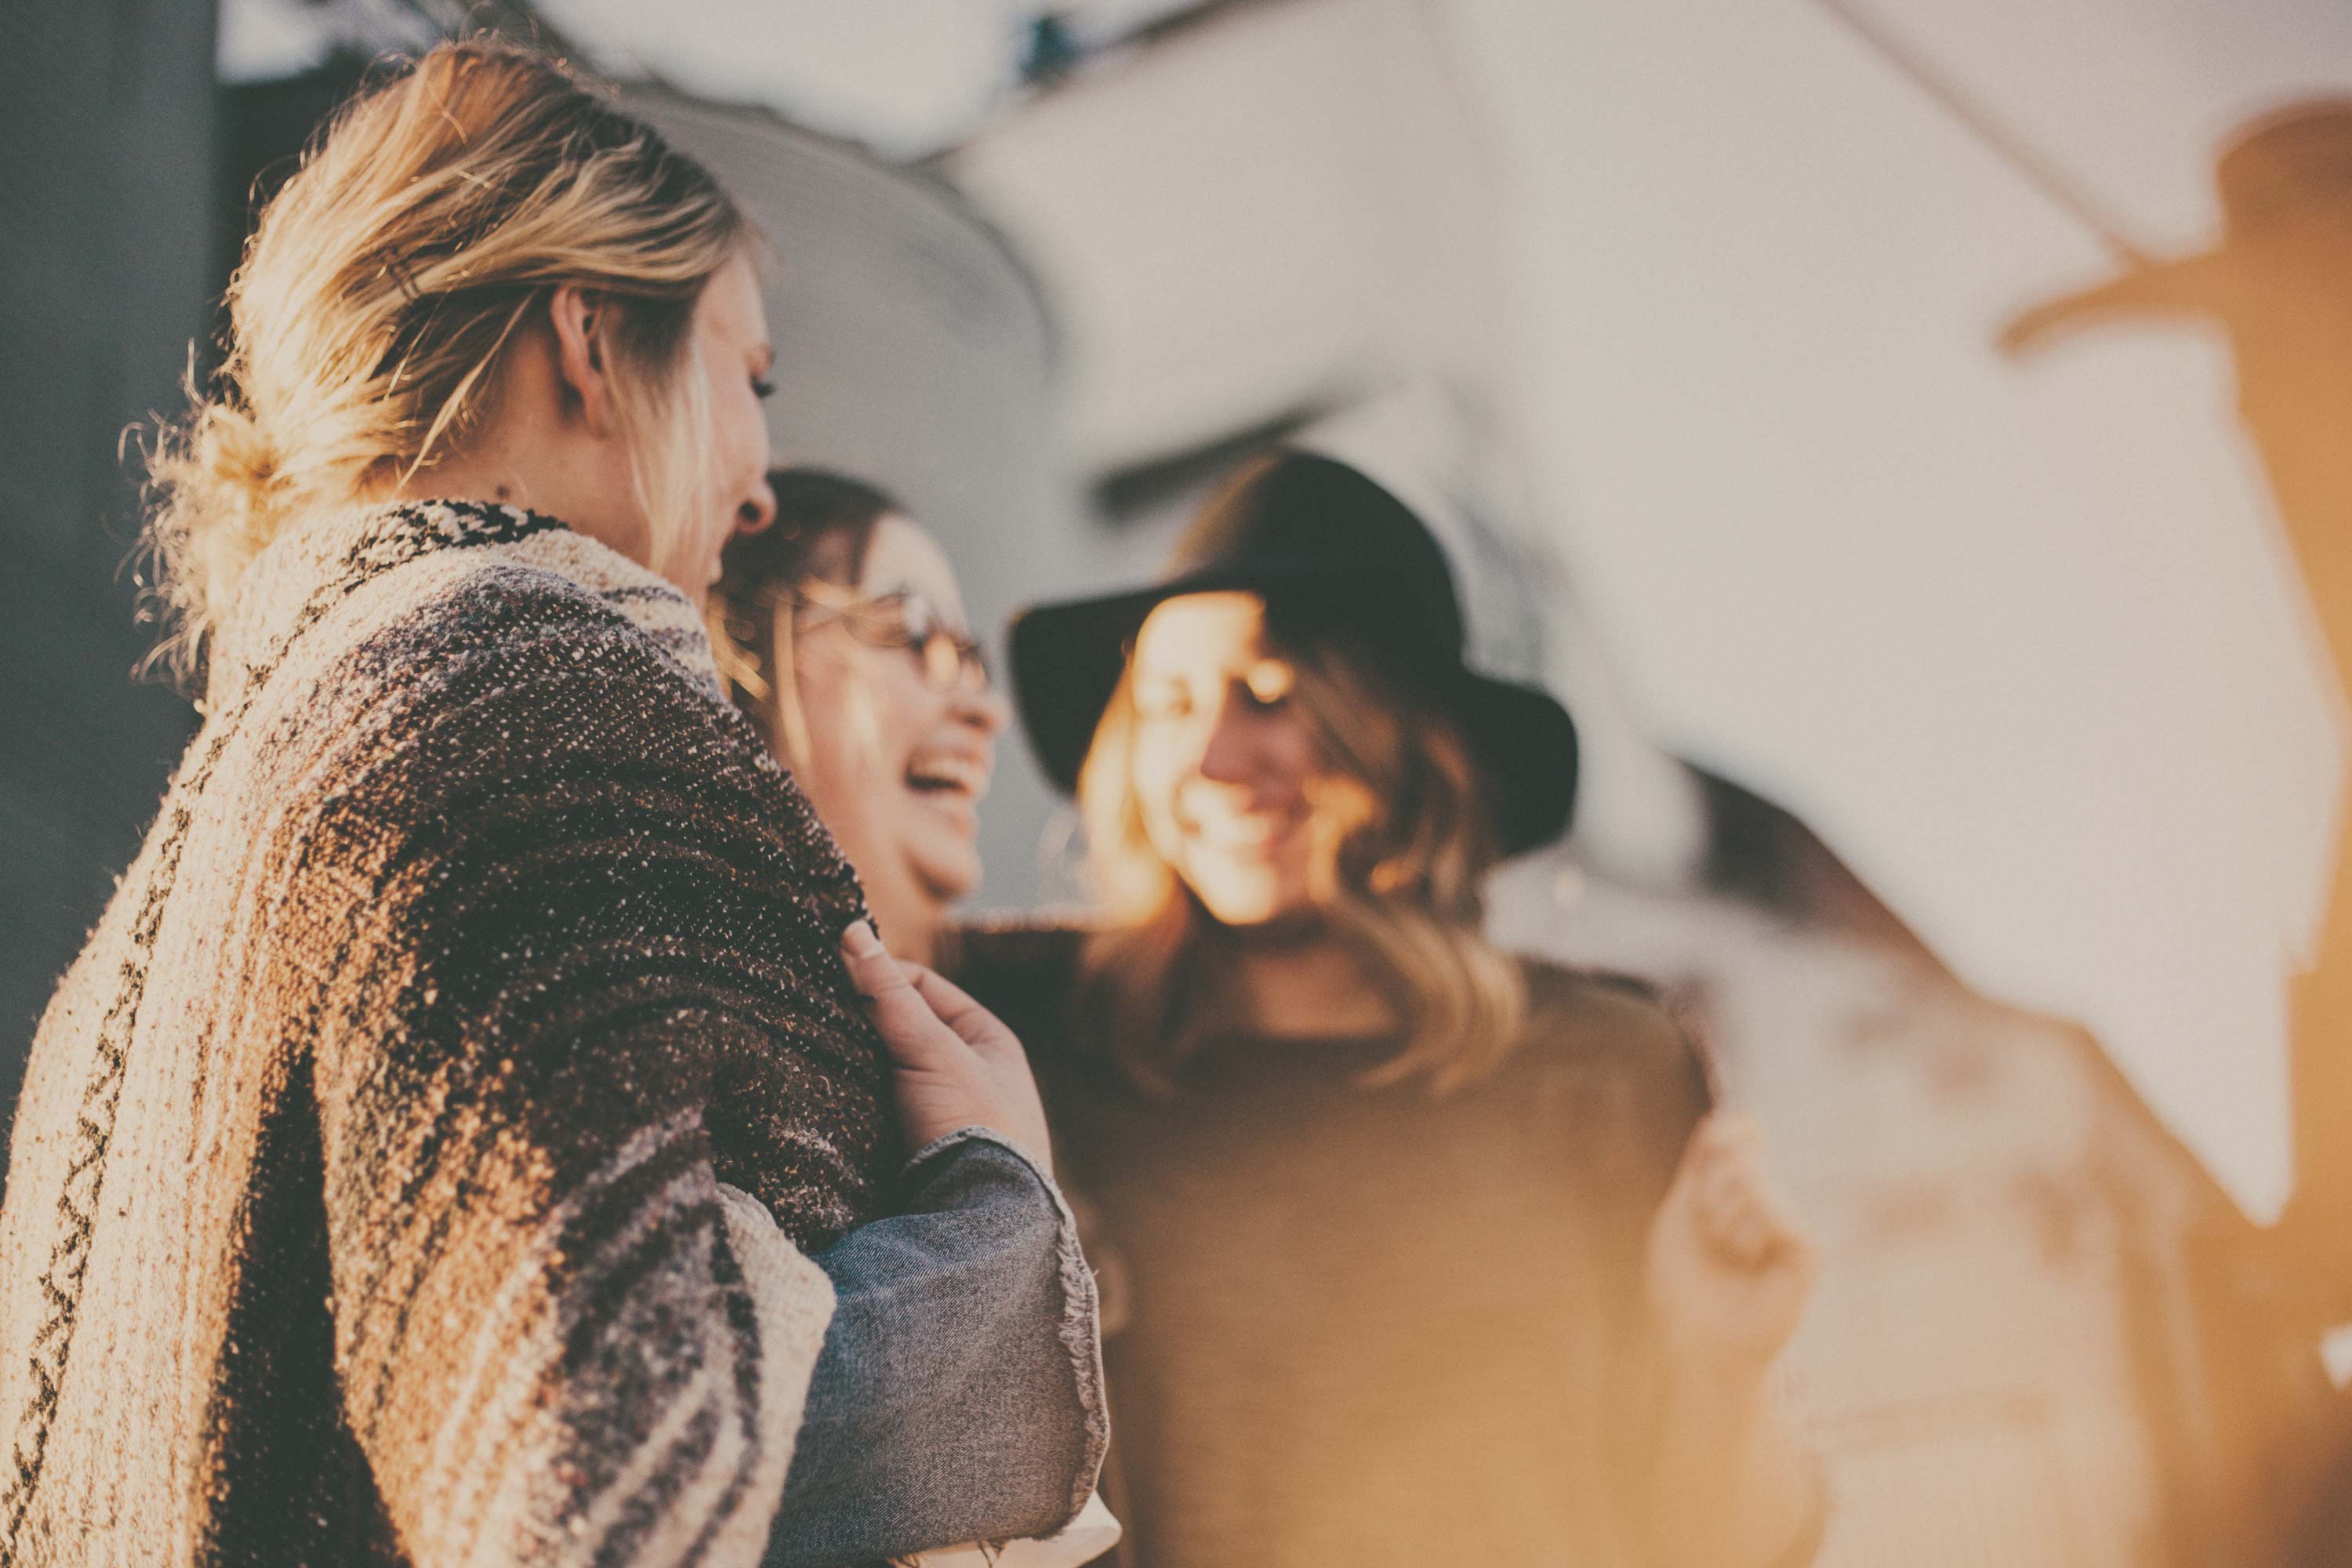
(2279, 284)
(108, 124)
(1926, 702)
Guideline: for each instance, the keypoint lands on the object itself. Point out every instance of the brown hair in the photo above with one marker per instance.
(384, 280)
(824, 525)
(1402, 850)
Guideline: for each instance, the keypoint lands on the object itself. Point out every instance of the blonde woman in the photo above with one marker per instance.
(462, 1140)
(1435, 1255)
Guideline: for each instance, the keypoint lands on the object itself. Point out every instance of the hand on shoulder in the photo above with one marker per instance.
(953, 1064)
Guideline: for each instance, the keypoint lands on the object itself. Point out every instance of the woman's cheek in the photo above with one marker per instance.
(740, 426)
(869, 735)
(1153, 769)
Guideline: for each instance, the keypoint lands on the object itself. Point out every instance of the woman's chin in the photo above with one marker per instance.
(1246, 892)
(946, 875)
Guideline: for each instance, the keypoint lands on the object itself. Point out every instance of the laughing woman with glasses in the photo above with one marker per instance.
(840, 631)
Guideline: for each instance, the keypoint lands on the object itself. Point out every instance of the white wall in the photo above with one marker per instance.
(2020, 641)
(1287, 206)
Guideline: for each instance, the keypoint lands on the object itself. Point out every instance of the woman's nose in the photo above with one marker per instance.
(984, 709)
(1230, 753)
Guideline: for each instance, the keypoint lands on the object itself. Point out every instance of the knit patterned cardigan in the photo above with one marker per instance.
(419, 1162)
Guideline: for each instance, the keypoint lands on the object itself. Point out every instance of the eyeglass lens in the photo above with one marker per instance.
(948, 658)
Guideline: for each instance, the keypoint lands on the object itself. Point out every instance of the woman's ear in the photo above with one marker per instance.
(578, 317)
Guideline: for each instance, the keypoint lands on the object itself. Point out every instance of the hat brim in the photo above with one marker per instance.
(1067, 658)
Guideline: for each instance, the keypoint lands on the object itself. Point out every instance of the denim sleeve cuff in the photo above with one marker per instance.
(1079, 1320)
(947, 1143)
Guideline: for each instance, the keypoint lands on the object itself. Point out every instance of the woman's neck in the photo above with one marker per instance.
(909, 926)
(1309, 986)
(528, 453)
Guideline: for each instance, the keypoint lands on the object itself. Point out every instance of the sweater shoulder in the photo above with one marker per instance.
(1619, 1019)
(488, 704)
(513, 658)
(1630, 1071)
(493, 605)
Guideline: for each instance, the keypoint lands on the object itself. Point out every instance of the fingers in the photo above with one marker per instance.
(1717, 1137)
(1738, 1211)
(973, 1023)
(914, 1034)
(1739, 1228)
(871, 968)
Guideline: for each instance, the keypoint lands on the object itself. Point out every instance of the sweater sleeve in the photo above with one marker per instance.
(569, 921)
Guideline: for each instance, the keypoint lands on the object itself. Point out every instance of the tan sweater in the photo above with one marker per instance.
(410, 1169)
(1377, 1327)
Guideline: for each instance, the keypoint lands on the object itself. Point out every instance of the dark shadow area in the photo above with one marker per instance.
(107, 262)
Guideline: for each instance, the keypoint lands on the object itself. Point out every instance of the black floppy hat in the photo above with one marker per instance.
(1335, 555)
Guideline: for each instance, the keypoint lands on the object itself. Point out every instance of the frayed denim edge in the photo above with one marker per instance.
(1080, 1329)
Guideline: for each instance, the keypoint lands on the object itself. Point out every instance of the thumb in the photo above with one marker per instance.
(909, 1028)
(974, 1025)
(1715, 1135)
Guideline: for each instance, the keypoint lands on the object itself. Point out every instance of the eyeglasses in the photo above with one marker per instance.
(947, 657)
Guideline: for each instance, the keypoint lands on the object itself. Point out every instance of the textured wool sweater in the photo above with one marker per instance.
(418, 1163)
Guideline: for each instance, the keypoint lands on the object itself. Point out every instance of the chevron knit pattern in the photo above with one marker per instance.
(418, 1164)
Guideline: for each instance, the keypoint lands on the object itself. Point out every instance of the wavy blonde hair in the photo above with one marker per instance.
(1404, 843)
(378, 293)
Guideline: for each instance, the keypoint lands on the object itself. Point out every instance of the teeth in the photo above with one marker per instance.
(949, 773)
(1241, 832)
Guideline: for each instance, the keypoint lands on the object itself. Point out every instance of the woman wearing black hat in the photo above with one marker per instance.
(1434, 1254)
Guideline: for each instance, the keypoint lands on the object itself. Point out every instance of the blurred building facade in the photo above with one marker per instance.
(106, 224)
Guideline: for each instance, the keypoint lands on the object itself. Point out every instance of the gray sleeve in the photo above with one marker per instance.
(959, 1395)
